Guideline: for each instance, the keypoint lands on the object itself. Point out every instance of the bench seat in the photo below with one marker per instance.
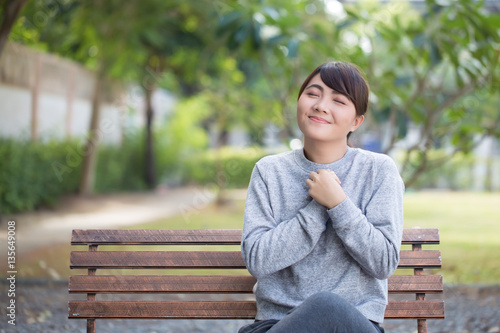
(171, 263)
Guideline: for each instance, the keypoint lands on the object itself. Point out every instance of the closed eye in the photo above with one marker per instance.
(339, 101)
(311, 94)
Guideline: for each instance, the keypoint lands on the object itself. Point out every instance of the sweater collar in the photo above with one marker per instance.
(309, 166)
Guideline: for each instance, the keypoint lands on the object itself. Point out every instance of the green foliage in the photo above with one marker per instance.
(454, 174)
(182, 136)
(35, 174)
(434, 71)
(237, 166)
(120, 168)
(437, 70)
(26, 34)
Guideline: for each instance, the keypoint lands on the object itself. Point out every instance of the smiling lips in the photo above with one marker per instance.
(319, 120)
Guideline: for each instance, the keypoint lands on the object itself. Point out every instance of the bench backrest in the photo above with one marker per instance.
(217, 281)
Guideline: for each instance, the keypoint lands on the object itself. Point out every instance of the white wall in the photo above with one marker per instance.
(15, 112)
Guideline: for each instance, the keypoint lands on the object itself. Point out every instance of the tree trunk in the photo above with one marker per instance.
(150, 174)
(10, 11)
(220, 172)
(93, 139)
(488, 177)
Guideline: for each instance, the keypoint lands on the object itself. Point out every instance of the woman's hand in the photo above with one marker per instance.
(324, 187)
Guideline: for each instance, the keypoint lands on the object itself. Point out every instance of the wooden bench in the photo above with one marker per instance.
(171, 260)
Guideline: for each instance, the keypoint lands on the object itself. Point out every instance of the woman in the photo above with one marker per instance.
(323, 224)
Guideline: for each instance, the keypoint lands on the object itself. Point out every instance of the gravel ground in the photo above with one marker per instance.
(42, 307)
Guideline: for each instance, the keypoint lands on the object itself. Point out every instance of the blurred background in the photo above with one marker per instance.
(152, 114)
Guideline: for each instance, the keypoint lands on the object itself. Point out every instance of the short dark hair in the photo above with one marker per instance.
(346, 79)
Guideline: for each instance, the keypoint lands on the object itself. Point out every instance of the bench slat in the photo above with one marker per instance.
(420, 259)
(205, 236)
(162, 310)
(420, 236)
(161, 284)
(207, 259)
(218, 284)
(157, 259)
(157, 237)
(415, 284)
(221, 310)
(415, 310)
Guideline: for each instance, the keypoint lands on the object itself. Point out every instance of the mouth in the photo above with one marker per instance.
(319, 120)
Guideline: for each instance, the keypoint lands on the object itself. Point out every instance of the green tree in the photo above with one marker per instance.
(436, 70)
(127, 42)
(93, 33)
(281, 38)
(422, 71)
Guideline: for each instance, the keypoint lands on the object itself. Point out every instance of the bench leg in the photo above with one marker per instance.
(91, 296)
(422, 325)
(90, 325)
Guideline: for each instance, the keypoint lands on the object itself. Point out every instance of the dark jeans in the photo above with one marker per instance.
(321, 313)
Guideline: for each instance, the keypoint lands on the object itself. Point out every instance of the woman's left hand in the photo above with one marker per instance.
(324, 187)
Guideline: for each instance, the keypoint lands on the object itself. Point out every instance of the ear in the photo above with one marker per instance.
(357, 122)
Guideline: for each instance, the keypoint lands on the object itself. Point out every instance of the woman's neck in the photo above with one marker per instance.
(324, 152)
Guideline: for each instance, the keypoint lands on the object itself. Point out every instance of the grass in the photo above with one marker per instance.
(469, 225)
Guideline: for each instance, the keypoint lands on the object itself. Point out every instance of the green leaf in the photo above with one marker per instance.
(352, 13)
(435, 54)
(243, 32)
(403, 80)
(347, 23)
(276, 39)
(381, 115)
(402, 125)
(227, 22)
(293, 46)
(256, 38)
(419, 40)
(271, 13)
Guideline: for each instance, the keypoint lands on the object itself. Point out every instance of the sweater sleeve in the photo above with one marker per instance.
(373, 239)
(268, 245)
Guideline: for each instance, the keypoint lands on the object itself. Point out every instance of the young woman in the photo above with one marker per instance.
(323, 224)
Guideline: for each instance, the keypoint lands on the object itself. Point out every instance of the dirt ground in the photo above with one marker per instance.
(51, 226)
(42, 307)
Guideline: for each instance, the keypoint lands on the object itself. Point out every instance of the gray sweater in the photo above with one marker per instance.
(296, 247)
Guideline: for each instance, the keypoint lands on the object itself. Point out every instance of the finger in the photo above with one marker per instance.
(309, 182)
(313, 175)
(335, 176)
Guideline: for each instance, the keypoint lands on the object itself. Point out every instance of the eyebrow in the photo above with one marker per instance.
(315, 86)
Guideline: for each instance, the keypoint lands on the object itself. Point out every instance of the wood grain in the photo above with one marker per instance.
(207, 259)
(202, 236)
(222, 310)
(218, 284)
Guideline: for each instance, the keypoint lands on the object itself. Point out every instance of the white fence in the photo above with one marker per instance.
(43, 96)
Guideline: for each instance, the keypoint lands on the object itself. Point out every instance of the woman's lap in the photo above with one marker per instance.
(322, 312)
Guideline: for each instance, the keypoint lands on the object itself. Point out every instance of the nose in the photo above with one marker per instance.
(320, 107)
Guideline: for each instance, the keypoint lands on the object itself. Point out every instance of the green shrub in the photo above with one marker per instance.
(121, 168)
(236, 167)
(34, 174)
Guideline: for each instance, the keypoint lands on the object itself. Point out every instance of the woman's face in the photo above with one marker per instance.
(325, 115)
